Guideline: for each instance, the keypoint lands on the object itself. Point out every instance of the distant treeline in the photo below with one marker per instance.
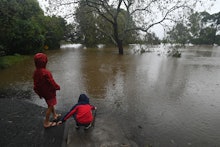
(26, 30)
(201, 28)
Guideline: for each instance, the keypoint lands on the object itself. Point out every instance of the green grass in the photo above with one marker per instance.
(7, 61)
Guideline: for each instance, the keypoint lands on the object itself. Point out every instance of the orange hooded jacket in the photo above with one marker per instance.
(44, 84)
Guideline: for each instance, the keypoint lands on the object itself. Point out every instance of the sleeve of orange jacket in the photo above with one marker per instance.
(36, 91)
(50, 79)
(69, 114)
(36, 85)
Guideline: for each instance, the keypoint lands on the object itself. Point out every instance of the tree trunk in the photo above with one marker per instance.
(120, 47)
(118, 41)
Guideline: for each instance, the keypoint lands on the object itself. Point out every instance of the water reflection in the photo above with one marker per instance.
(101, 71)
(162, 100)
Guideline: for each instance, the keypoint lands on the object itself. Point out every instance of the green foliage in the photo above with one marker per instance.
(179, 34)
(194, 24)
(206, 32)
(93, 28)
(7, 61)
(24, 28)
(86, 30)
(217, 40)
(201, 29)
(151, 38)
(19, 33)
(107, 29)
(54, 29)
(207, 36)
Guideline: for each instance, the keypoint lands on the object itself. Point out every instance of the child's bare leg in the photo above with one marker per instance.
(55, 115)
(48, 112)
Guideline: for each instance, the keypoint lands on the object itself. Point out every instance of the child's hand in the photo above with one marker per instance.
(95, 108)
(59, 123)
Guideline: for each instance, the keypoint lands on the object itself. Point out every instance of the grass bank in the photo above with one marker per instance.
(7, 61)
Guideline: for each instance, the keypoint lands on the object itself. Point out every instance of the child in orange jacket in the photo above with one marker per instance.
(81, 112)
(45, 87)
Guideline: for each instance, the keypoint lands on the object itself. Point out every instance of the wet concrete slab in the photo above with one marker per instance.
(105, 133)
(21, 125)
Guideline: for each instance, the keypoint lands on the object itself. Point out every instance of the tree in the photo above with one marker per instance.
(145, 13)
(194, 24)
(203, 28)
(213, 23)
(71, 34)
(93, 30)
(207, 36)
(20, 32)
(87, 30)
(151, 38)
(54, 30)
(24, 28)
(179, 34)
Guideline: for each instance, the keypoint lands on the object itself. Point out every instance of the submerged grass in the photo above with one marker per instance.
(7, 61)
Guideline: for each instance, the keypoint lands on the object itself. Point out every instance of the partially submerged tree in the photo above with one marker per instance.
(93, 29)
(145, 13)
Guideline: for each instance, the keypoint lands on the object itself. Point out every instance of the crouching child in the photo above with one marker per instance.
(81, 112)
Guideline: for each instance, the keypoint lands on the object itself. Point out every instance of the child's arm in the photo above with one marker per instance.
(93, 107)
(36, 90)
(50, 79)
(67, 115)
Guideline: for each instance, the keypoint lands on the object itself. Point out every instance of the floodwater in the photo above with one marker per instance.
(156, 100)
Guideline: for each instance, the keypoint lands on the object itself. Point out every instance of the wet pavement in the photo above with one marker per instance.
(22, 126)
(106, 131)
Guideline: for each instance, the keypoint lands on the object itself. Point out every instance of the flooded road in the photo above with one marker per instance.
(156, 100)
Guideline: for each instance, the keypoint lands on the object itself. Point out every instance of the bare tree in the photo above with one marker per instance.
(145, 13)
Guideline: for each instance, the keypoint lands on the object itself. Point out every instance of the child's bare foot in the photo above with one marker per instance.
(59, 123)
(56, 116)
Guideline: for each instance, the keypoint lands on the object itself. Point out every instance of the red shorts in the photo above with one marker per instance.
(51, 102)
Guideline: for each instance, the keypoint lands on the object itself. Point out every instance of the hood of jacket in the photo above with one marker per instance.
(40, 60)
(83, 99)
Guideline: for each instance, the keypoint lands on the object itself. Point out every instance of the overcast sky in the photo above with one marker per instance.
(214, 9)
(159, 31)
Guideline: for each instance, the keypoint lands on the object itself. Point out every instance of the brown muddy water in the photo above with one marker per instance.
(156, 100)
